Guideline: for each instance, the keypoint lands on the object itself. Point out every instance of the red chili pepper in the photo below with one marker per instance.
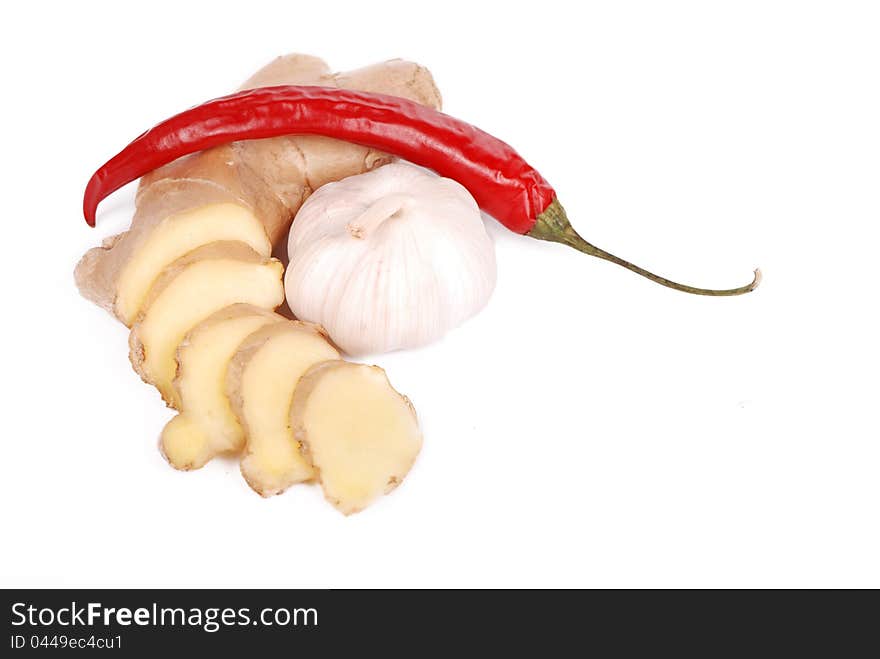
(503, 184)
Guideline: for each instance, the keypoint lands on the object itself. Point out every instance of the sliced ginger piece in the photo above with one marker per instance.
(174, 237)
(260, 382)
(360, 435)
(206, 425)
(188, 291)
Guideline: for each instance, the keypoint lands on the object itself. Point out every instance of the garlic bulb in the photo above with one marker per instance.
(389, 259)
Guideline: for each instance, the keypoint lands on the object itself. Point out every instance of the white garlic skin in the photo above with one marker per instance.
(389, 259)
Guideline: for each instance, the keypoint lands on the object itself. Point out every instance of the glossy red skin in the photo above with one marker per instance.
(504, 184)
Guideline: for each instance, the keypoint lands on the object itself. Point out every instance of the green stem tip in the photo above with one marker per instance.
(553, 225)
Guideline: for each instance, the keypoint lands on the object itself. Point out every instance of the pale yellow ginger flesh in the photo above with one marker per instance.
(260, 383)
(188, 291)
(360, 435)
(206, 425)
(175, 236)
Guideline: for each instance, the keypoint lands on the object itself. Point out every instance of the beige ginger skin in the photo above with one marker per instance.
(247, 191)
(195, 280)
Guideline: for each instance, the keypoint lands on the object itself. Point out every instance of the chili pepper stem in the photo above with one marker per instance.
(553, 225)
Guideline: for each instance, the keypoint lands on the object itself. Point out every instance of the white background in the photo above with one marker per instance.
(588, 428)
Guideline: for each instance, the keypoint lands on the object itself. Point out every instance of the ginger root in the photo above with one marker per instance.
(260, 382)
(189, 290)
(194, 279)
(206, 425)
(247, 191)
(360, 435)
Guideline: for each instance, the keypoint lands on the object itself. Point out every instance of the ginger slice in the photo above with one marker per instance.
(360, 434)
(177, 235)
(260, 382)
(188, 291)
(206, 425)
